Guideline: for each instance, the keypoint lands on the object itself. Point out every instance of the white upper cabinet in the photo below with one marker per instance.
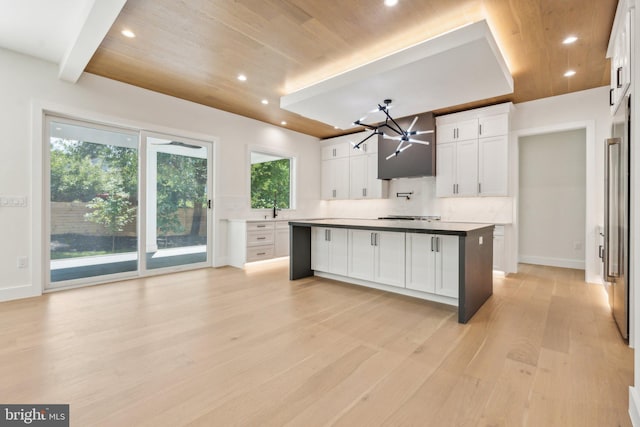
(472, 152)
(336, 149)
(458, 131)
(620, 53)
(335, 179)
(492, 166)
(351, 174)
(495, 125)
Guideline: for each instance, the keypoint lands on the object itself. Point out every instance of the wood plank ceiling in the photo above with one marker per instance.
(195, 49)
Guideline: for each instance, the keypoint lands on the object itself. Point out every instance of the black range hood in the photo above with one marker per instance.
(417, 161)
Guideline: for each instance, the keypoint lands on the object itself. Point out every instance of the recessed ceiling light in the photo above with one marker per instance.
(283, 123)
(336, 127)
(570, 73)
(265, 102)
(242, 77)
(569, 40)
(390, 2)
(128, 33)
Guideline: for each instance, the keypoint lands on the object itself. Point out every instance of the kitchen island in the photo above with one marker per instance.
(446, 262)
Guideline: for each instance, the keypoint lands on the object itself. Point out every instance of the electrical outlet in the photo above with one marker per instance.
(23, 262)
(480, 240)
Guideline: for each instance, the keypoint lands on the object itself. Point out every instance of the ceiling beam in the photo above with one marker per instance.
(99, 20)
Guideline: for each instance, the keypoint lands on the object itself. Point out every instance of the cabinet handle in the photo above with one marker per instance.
(375, 239)
(611, 97)
(326, 236)
(334, 193)
(364, 192)
(364, 148)
(260, 238)
(480, 128)
(329, 234)
(372, 239)
(432, 243)
(261, 253)
(260, 226)
(619, 76)
(479, 188)
(437, 244)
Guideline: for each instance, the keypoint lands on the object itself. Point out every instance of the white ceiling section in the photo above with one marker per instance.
(66, 32)
(457, 67)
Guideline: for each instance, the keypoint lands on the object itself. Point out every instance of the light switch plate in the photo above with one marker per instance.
(13, 201)
(480, 240)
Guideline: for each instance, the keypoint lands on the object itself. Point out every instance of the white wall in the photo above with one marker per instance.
(28, 82)
(552, 197)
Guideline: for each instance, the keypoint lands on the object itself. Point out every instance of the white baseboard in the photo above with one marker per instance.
(552, 262)
(220, 261)
(17, 292)
(634, 406)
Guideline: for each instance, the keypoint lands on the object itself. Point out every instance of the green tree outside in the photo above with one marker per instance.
(270, 184)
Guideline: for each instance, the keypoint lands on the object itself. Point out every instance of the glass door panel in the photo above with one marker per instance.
(93, 202)
(177, 224)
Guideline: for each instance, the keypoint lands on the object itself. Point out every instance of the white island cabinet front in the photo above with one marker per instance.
(329, 250)
(377, 256)
(432, 263)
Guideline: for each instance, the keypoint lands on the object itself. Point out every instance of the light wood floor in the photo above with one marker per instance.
(221, 347)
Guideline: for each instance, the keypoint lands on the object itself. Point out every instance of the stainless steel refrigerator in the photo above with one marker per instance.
(616, 221)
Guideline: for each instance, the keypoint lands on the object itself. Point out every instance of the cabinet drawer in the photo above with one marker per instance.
(282, 225)
(258, 253)
(256, 238)
(260, 226)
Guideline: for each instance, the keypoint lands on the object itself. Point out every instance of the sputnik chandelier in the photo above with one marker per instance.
(401, 135)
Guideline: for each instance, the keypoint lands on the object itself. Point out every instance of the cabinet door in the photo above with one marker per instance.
(467, 129)
(282, 242)
(493, 162)
(335, 150)
(340, 172)
(319, 249)
(335, 179)
(358, 177)
(361, 254)
(498, 253)
(466, 159)
(376, 188)
(445, 169)
(420, 262)
(493, 125)
(446, 133)
(389, 258)
(446, 265)
(338, 251)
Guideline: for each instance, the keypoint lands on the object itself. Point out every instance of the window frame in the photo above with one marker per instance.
(293, 175)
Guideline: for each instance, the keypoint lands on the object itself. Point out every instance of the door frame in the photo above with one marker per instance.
(590, 239)
(39, 168)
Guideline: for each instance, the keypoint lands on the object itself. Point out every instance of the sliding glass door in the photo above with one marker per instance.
(124, 203)
(178, 179)
(93, 201)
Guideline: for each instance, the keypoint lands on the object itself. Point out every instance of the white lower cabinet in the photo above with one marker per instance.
(281, 243)
(329, 250)
(498, 248)
(432, 263)
(377, 256)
